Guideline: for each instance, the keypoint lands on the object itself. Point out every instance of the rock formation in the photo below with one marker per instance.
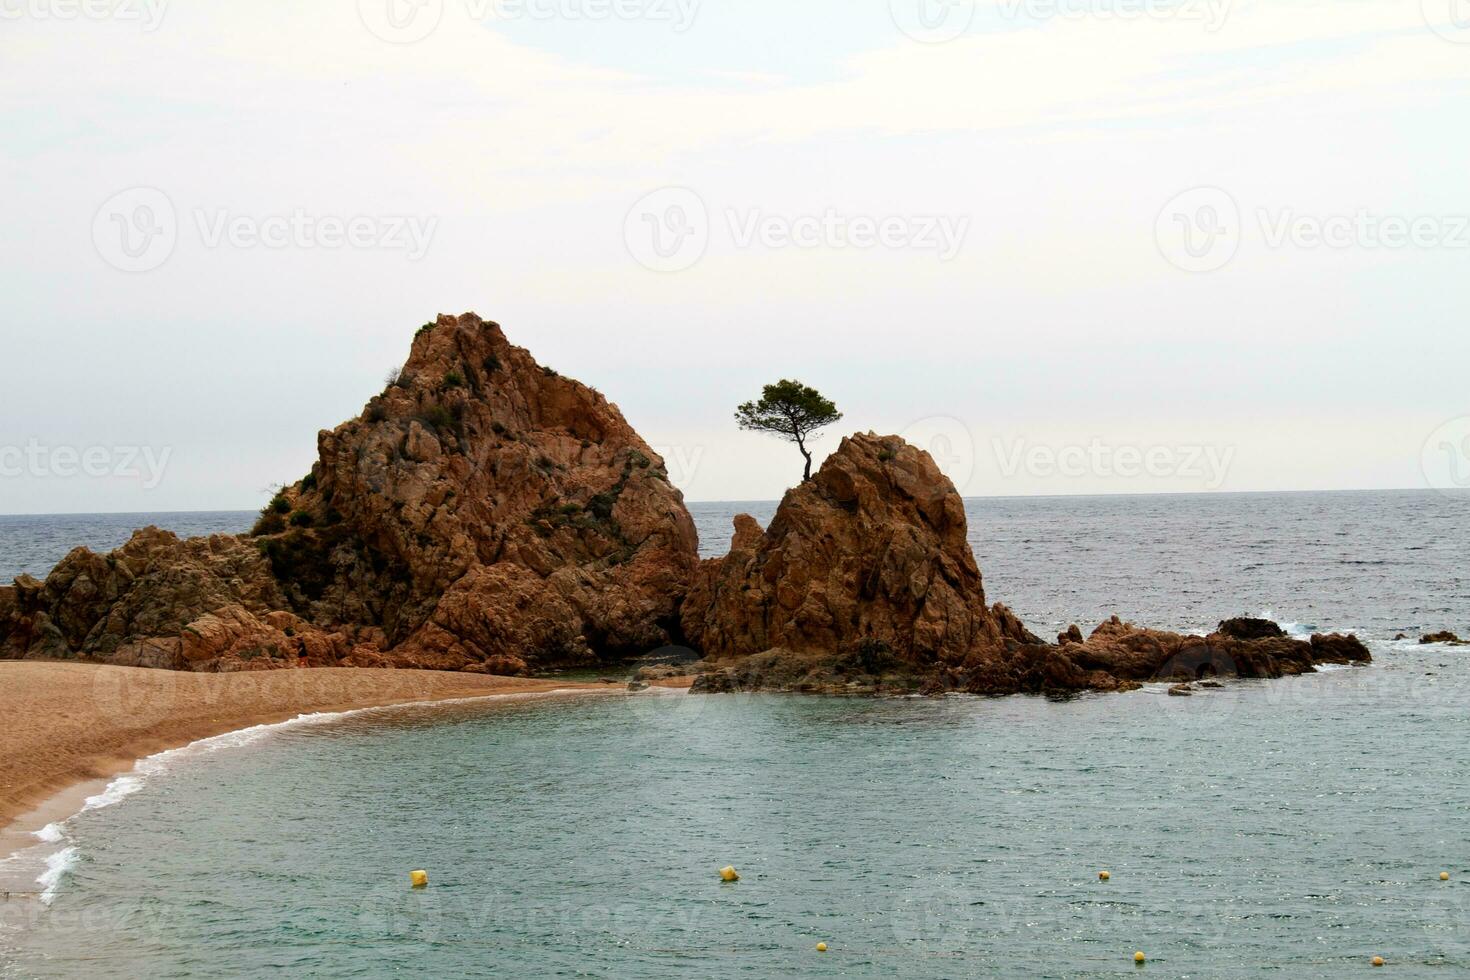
(486, 514)
(483, 513)
(1444, 636)
(865, 581)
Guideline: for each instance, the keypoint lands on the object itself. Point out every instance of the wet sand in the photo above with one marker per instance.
(69, 725)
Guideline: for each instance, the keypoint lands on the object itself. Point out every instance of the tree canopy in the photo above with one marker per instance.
(791, 410)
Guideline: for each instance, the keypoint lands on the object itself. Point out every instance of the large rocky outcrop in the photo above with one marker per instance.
(486, 514)
(869, 554)
(865, 581)
(482, 513)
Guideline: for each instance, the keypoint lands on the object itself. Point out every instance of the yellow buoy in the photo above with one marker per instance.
(1138, 957)
(1444, 876)
(729, 874)
(1377, 961)
(1103, 875)
(821, 947)
(420, 879)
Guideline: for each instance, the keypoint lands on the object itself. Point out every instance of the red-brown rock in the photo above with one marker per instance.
(865, 582)
(483, 510)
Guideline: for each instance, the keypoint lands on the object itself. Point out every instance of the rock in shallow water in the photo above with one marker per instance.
(865, 582)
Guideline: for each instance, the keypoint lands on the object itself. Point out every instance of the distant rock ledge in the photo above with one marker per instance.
(485, 514)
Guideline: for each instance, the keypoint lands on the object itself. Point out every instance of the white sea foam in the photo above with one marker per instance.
(116, 791)
(58, 862)
(57, 865)
(1297, 631)
(49, 834)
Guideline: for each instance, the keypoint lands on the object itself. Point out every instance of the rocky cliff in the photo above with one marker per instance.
(486, 514)
(483, 513)
(865, 581)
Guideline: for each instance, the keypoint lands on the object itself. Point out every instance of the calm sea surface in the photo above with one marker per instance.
(1270, 829)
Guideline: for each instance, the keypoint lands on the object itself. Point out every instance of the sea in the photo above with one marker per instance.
(1284, 829)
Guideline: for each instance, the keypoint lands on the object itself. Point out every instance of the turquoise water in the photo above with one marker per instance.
(1288, 829)
(1293, 828)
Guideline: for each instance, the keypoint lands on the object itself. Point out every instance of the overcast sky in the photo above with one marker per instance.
(1068, 245)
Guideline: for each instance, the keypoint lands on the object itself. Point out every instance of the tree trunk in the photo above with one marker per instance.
(807, 474)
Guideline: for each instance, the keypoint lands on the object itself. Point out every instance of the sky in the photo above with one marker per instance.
(1068, 246)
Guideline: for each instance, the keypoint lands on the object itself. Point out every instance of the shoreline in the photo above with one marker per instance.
(79, 727)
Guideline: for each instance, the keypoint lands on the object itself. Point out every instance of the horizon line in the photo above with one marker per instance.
(777, 500)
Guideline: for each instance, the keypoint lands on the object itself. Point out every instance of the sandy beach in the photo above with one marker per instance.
(67, 724)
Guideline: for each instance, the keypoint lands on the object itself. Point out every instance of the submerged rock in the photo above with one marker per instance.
(1246, 628)
(865, 582)
(483, 510)
(1443, 637)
